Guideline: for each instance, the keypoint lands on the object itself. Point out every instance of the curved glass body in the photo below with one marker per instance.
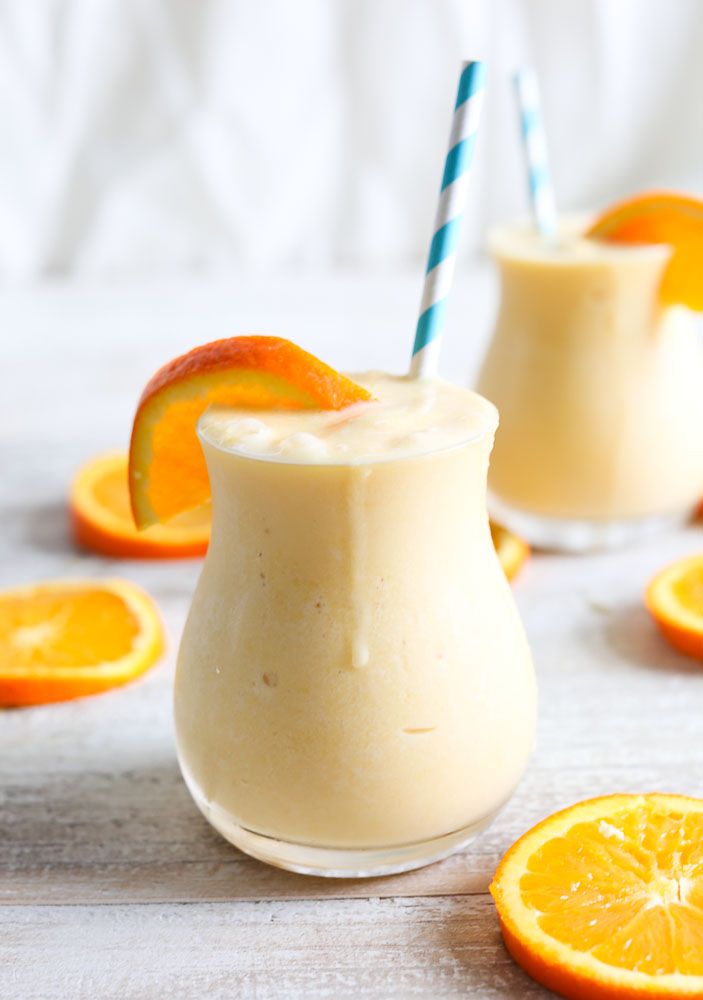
(599, 392)
(354, 692)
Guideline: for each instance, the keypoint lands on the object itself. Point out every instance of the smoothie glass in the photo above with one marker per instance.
(599, 392)
(354, 692)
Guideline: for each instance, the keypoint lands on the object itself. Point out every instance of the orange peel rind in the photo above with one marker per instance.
(167, 472)
(674, 598)
(604, 900)
(662, 217)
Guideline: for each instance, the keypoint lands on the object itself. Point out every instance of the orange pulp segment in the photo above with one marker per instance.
(512, 550)
(167, 472)
(675, 600)
(102, 519)
(605, 899)
(662, 217)
(66, 638)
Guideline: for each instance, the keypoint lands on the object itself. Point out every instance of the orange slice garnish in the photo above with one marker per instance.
(102, 519)
(512, 550)
(605, 899)
(662, 217)
(675, 600)
(167, 471)
(67, 638)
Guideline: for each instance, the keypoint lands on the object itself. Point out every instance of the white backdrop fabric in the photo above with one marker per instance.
(155, 135)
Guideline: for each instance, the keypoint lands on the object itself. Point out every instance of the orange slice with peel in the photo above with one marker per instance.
(662, 217)
(675, 600)
(102, 520)
(604, 900)
(167, 472)
(66, 638)
(512, 551)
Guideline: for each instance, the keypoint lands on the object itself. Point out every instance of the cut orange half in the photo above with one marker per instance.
(102, 520)
(675, 600)
(67, 638)
(167, 473)
(512, 550)
(662, 217)
(604, 901)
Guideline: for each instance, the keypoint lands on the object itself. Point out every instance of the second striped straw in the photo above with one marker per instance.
(450, 212)
(536, 155)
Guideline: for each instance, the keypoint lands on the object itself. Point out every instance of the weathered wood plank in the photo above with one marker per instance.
(92, 808)
(340, 950)
(94, 818)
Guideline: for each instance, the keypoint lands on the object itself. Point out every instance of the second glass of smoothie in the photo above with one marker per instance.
(599, 391)
(354, 693)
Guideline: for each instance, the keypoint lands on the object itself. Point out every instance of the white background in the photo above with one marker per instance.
(143, 136)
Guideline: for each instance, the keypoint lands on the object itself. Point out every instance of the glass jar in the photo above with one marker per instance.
(600, 393)
(354, 692)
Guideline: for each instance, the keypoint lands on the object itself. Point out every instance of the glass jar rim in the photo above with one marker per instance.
(519, 240)
(486, 429)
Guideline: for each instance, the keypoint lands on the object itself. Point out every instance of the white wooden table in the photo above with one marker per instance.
(111, 883)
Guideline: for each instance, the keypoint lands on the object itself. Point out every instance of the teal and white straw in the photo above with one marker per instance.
(450, 212)
(536, 156)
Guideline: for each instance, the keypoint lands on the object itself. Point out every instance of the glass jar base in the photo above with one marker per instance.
(334, 862)
(581, 535)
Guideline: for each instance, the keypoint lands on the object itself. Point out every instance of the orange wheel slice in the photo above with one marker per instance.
(512, 551)
(67, 638)
(102, 519)
(662, 217)
(675, 600)
(604, 901)
(167, 472)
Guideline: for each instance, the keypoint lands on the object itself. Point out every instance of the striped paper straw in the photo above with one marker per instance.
(450, 211)
(536, 156)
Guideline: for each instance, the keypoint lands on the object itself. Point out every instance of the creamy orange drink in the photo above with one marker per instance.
(354, 691)
(598, 383)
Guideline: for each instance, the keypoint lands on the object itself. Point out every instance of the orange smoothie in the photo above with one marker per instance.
(354, 690)
(598, 385)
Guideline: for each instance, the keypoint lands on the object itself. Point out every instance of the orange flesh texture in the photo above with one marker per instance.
(111, 491)
(688, 589)
(251, 372)
(675, 600)
(512, 551)
(662, 217)
(103, 521)
(71, 630)
(627, 888)
(604, 900)
(63, 642)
